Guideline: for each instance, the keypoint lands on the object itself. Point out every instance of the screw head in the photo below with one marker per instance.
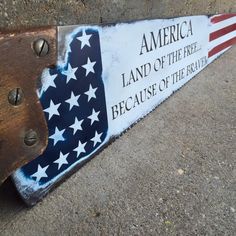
(41, 47)
(31, 138)
(15, 97)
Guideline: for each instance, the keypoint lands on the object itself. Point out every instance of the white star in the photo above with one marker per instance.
(41, 173)
(94, 116)
(80, 149)
(62, 160)
(52, 110)
(89, 66)
(57, 136)
(73, 100)
(96, 139)
(48, 80)
(91, 92)
(77, 125)
(84, 39)
(70, 73)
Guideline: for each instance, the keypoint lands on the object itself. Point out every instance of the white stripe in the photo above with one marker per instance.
(221, 40)
(222, 24)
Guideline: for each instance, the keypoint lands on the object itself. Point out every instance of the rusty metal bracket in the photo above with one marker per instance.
(23, 129)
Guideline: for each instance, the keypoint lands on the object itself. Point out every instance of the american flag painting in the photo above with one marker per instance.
(73, 101)
(103, 85)
(222, 34)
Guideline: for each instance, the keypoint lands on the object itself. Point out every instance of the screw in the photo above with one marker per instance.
(41, 47)
(15, 97)
(31, 138)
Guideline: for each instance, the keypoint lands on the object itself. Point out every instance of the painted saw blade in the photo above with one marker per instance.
(109, 77)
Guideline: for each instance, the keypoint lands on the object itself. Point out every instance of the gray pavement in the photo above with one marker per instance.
(18, 13)
(174, 173)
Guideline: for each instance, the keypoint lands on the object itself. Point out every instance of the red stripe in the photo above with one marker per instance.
(216, 19)
(222, 31)
(221, 47)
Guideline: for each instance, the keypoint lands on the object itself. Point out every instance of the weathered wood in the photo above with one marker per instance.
(20, 68)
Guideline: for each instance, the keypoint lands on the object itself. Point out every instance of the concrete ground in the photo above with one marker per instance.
(174, 173)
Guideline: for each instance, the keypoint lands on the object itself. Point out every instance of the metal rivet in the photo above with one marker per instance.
(15, 96)
(31, 138)
(41, 47)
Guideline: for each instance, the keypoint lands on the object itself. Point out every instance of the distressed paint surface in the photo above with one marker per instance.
(138, 70)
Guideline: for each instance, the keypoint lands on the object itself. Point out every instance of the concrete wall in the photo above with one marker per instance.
(15, 13)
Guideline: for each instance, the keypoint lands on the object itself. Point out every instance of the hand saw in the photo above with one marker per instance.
(68, 91)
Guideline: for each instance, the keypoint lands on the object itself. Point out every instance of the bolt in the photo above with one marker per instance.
(15, 97)
(31, 138)
(41, 47)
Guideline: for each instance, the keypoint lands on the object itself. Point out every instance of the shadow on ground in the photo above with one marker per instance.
(10, 202)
